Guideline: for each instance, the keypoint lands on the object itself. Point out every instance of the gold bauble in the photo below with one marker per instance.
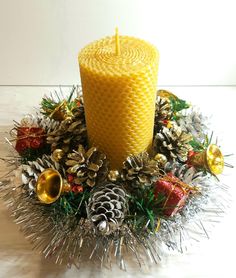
(113, 175)
(58, 154)
(161, 159)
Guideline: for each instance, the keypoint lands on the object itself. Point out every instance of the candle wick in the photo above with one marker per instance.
(117, 42)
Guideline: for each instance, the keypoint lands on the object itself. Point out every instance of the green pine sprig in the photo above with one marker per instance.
(178, 104)
(199, 146)
(144, 209)
(48, 104)
(73, 204)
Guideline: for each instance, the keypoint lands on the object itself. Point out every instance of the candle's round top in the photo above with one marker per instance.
(135, 55)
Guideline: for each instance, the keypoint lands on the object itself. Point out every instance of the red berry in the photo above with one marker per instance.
(165, 122)
(70, 178)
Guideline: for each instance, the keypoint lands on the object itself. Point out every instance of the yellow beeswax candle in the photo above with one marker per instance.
(119, 90)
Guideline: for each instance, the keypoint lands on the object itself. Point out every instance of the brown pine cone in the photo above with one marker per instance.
(173, 143)
(139, 170)
(89, 167)
(70, 133)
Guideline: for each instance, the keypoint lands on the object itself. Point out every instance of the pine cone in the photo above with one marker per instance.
(107, 207)
(185, 173)
(194, 123)
(163, 112)
(32, 170)
(46, 123)
(70, 133)
(90, 167)
(173, 143)
(140, 170)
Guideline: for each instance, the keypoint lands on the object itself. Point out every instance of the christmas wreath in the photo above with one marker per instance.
(69, 200)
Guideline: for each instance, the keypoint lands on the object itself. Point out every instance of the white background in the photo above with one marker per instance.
(40, 40)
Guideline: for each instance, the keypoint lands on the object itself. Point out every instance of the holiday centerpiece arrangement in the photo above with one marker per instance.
(116, 168)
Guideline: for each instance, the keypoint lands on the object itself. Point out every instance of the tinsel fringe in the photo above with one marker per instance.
(68, 242)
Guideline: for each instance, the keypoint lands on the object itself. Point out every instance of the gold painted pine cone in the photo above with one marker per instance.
(140, 170)
(173, 143)
(163, 112)
(107, 207)
(70, 132)
(90, 167)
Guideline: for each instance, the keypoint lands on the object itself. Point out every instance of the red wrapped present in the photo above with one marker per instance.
(174, 193)
(29, 137)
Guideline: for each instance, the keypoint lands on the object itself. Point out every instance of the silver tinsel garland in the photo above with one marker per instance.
(71, 241)
(68, 241)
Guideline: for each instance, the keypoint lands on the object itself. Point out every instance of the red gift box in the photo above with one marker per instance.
(29, 137)
(174, 194)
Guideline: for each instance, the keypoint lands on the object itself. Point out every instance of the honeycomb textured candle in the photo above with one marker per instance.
(119, 96)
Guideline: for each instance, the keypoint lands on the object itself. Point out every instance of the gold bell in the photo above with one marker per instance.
(211, 159)
(50, 185)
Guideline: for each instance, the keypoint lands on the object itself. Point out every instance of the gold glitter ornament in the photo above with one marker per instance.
(113, 175)
(58, 154)
(161, 159)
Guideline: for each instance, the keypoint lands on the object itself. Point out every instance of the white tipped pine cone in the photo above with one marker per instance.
(173, 143)
(32, 170)
(107, 207)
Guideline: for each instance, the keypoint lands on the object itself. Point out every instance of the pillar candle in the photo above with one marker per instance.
(119, 80)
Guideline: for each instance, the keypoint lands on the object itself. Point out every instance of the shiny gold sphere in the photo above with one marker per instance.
(58, 154)
(113, 175)
(215, 159)
(161, 159)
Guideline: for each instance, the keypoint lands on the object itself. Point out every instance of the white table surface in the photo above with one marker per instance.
(209, 258)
